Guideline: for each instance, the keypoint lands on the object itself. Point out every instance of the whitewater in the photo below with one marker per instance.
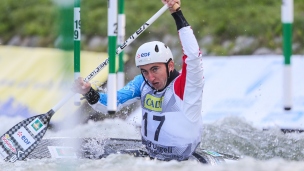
(242, 114)
(260, 150)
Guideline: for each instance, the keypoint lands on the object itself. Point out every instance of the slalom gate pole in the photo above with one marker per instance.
(77, 38)
(120, 41)
(112, 38)
(287, 20)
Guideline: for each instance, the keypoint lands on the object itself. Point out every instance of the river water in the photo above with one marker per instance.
(260, 150)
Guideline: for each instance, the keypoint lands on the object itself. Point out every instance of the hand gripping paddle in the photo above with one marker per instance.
(22, 139)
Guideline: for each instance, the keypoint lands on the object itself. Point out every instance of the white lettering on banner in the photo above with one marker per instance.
(3, 154)
(24, 139)
(36, 126)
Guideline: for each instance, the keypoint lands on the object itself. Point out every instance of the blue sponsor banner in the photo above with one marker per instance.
(11, 108)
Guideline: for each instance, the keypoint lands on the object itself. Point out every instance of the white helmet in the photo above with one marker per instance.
(153, 52)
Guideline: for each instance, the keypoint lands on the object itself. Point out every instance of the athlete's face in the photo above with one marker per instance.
(156, 74)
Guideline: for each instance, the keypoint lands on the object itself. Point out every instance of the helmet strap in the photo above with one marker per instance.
(167, 66)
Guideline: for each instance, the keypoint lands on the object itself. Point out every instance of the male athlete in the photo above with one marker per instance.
(171, 101)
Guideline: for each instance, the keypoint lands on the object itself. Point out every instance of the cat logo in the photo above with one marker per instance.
(153, 103)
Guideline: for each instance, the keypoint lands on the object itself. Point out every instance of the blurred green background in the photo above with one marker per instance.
(219, 25)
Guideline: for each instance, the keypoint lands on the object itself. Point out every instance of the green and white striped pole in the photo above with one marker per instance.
(77, 38)
(287, 20)
(65, 41)
(120, 41)
(112, 37)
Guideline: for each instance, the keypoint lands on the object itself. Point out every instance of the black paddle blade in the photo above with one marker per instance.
(21, 139)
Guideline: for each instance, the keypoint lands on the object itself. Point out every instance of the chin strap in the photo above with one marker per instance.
(173, 75)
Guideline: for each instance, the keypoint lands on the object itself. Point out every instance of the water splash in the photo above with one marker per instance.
(236, 135)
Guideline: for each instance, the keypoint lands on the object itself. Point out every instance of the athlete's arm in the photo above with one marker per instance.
(189, 86)
(125, 96)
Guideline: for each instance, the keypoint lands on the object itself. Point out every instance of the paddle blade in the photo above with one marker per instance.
(21, 139)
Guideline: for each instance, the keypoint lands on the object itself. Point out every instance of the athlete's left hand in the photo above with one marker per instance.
(80, 86)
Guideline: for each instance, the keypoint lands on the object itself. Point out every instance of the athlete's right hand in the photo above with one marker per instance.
(171, 3)
(80, 86)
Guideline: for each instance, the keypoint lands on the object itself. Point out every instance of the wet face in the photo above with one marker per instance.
(156, 74)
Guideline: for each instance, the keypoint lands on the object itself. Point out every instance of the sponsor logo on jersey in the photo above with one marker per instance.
(36, 126)
(8, 143)
(158, 148)
(3, 154)
(153, 103)
(24, 139)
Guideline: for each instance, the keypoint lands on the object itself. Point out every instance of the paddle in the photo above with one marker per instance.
(19, 141)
